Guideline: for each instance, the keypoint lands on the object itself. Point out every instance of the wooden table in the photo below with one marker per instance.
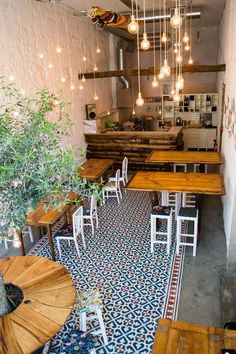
(49, 295)
(93, 169)
(198, 183)
(39, 217)
(202, 157)
(186, 338)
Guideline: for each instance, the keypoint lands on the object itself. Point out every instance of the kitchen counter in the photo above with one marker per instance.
(136, 145)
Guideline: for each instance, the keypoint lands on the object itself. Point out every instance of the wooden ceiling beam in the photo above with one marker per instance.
(149, 71)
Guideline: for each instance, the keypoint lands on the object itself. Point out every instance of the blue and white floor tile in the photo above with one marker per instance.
(135, 284)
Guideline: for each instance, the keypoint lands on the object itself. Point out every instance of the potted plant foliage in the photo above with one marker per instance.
(33, 163)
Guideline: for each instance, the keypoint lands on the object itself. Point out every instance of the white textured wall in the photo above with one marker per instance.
(227, 55)
(28, 28)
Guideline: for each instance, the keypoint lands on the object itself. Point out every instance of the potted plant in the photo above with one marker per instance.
(34, 165)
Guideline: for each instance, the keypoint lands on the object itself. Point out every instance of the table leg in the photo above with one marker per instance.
(49, 232)
(22, 244)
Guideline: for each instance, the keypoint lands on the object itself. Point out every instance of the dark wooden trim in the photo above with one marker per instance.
(149, 71)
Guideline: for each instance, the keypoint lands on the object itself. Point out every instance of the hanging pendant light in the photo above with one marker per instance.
(186, 37)
(98, 50)
(176, 19)
(139, 100)
(165, 69)
(83, 79)
(190, 61)
(187, 47)
(180, 83)
(164, 38)
(133, 26)
(145, 44)
(81, 86)
(176, 97)
(179, 58)
(154, 83)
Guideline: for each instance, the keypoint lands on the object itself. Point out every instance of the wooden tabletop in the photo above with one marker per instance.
(94, 168)
(180, 337)
(41, 217)
(49, 295)
(199, 183)
(206, 157)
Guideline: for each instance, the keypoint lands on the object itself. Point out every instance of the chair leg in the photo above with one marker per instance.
(120, 192)
(83, 240)
(101, 323)
(92, 225)
(82, 321)
(178, 231)
(153, 229)
(117, 196)
(169, 225)
(31, 234)
(59, 247)
(195, 238)
(96, 217)
(77, 247)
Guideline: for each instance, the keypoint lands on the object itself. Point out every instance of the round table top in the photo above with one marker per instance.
(50, 292)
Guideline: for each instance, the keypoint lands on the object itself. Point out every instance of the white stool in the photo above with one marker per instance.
(173, 200)
(181, 165)
(196, 168)
(161, 213)
(91, 302)
(187, 226)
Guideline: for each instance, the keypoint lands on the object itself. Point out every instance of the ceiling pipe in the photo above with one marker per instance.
(121, 48)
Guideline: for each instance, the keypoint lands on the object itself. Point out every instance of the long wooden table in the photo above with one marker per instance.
(93, 169)
(187, 338)
(198, 183)
(49, 295)
(191, 157)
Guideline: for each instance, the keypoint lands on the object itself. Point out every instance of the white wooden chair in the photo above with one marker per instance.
(187, 227)
(89, 214)
(178, 166)
(71, 232)
(159, 234)
(124, 172)
(26, 231)
(112, 188)
(171, 199)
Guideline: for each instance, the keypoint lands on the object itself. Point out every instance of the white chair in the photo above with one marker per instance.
(71, 232)
(161, 213)
(189, 200)
(196, 168)
(124, 172)
(187, 227)
(26, 231)
(89, 214)
(171, 199)
(91, 302)
(112, 188)
(183, 166)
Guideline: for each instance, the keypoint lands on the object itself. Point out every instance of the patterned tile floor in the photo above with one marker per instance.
(137, 287)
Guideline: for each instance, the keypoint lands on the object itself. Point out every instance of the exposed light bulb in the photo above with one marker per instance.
(190, 61)
(186, 37)
(84, 58)
(50, 66)
(165, 69)
(155, 83)
(12, 78)
(72, 87)
(83, 79)
(187, 47)
(172, 92)
(140, 100)
(63, 79)
(180, 83)
(98, 50)
(176, 97)
(41, 55)
(159, 111)
(179, 58)
(16, 242)
(95, 68)
(133, 26)
(58, 49)
(81, 86)
(160, 75)
(108, 112)
(176, 20)
(133, 112)
(95, 97)
(176, 50)
(164, 38)
(145, 44)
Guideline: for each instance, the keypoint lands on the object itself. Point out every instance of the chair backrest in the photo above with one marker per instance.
(126, 168)
(93, 204)
(123, 169)
(77, 219)
(117, 178)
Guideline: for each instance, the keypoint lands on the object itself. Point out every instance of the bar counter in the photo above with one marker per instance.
(136, 145)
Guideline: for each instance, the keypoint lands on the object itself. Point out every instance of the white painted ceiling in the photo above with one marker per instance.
(211, 9)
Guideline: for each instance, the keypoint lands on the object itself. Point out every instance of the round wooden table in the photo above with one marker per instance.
(49, 295)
